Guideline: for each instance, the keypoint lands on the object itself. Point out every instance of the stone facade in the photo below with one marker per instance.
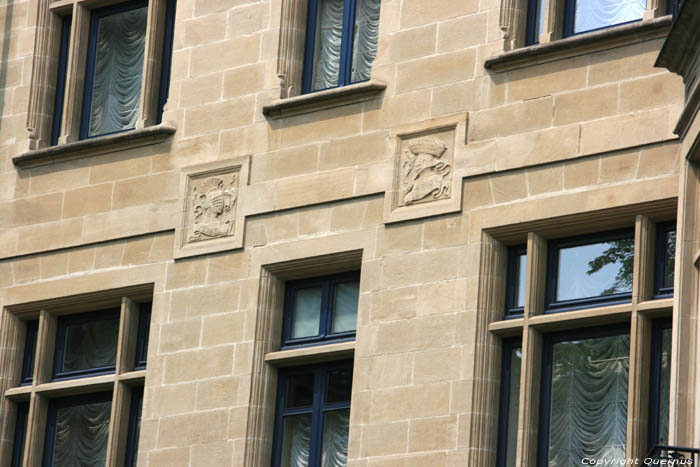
(247, 185)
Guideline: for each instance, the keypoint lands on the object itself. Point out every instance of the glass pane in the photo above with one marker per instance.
(339, 385)
(664, 385)
(345, 307)
(20, 434)
(300, 390)
(134, 427)
(81, 435)
(29, 352)
(669, 259)
(336, 425)
(520, 285)
(116, 90)
(595, 14)
(365, 35)
(329, 36)
(307, 313)
(91, 344)
(296, 440)
(588, 406)
(513, 406)
(595, 270)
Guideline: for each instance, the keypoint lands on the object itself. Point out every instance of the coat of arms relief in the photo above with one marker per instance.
(424, 171)
(213, 207)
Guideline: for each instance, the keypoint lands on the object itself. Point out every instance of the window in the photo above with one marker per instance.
(567, 364)
(510, 403)
(515, 291)
(321, 310)
(590, 270)
(665, 259)
(584, 396)
(116, 82)
(660, 380)
(92, 355)
(341, 43)
(313, 416)
(581, 16)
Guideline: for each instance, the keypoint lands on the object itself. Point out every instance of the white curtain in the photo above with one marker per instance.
(588, 413)
(81, 435)
(116, 89)
(91, 345)
(329, 35)
(296, 440)
(366, 35)
(335, 438)
(594, 14)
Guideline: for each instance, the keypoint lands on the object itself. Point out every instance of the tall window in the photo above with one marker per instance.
(341, 42)
(577, 328)
(313, 402)
(112, 86)
(94, 356)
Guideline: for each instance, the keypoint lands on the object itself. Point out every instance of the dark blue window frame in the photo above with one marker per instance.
(554, 306)
(29, 353)
(61, 80)
(345, 68)
(168, 34)
(328, 284)
(659, 326)
(509, 345)
(512, 282)
(142, 336)
(20, 434)
(532, 29)
(54, 405)
(132, 440)
(317, 409)
(662, 231)
(546, 381)
(63, 323)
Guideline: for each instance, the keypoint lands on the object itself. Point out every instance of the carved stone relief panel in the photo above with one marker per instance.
(424, 172)
(210, 219)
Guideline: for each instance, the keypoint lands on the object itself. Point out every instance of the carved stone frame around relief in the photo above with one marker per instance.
(424, 181)
(211, 219)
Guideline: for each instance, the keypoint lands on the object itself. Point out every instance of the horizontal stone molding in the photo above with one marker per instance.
(579, 45)
(322, 100)
(95, 146)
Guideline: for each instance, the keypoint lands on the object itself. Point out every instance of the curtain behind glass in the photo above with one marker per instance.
(513, 406)
(90, 345)
(366, 34)
(335, 438)
(329, 36)
(664, 385)
(116, 90)
(296, 440)
(588, 413)
(81, 435)
(345, 307)
(307, 313)
(594, 14)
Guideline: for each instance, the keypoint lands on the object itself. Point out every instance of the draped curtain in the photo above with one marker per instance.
(91, 345)
(366, 34)
(329, 37)
(594, 14)
(81, 435)
(588, 415)
(297, 441)
(335, 438)
(116, 90)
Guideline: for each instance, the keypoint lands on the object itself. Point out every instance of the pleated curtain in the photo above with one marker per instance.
(81, 435)
(119, 57)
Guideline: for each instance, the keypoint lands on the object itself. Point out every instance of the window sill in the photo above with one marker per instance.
(582, 44)
(323, 100)
(311, 354)
(94, 146)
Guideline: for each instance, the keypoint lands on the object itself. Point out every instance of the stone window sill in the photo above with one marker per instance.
(95, 146)
(323, 100)
(311, 354)
(579, 45)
